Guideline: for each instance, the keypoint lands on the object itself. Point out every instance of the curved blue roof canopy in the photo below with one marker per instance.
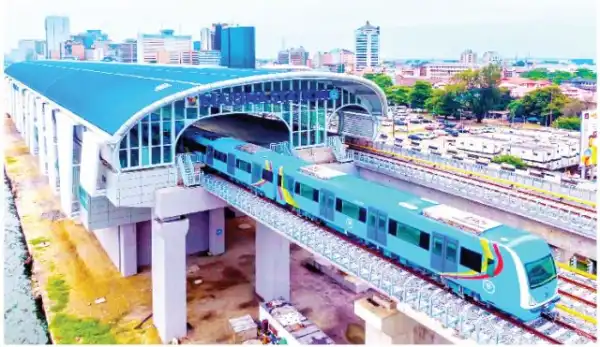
(106, 95)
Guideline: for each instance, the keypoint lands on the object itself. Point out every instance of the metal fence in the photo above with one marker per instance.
(567, 219)
(541, 184)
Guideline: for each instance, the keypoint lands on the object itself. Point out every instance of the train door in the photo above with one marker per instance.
(210, 153)
(231, 164)
(256, 172)
(288, 184)
(326, 204)
(377, 226)
(444, 253)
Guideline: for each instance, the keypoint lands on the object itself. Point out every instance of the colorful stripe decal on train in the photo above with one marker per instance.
(487, 254)
(262, 181)
(285, 194)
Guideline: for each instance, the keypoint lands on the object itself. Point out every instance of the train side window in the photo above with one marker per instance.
(392, 227)
(451, 252)
(491, 267)
(243, 165)
(349, 209)
(470, 259)
(267, 175)
(338, 205)
(279, 181)
(424, 241)
(220, 156)
(362, 214)
(297, 188)
(315, 195)
(438, 243)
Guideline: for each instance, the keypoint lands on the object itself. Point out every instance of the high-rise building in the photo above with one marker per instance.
(293, 56)
(57, 32)
(468, 57)
(206, 37)
(367, 46)
(238, 48)
(197, 45)
(164, 48)
(491, 57)
(127, 51)
(217, 30)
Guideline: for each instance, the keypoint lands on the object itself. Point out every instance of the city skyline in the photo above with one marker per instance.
(539, 28)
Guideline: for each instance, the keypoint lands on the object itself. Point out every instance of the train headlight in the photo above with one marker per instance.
(532, 301)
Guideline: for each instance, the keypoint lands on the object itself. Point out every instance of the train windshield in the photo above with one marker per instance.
(541, 271)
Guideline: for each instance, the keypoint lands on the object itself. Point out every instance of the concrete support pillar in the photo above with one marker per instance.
(272, 264)
(51, 151)
(64, 134)
(216, 231)
(128, 249)
(169, 302)
(42, 152)
(383, 326)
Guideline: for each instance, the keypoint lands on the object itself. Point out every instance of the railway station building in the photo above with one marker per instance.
(107, 135)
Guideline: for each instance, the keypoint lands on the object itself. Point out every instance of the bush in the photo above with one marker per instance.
(510, 159)
(568, 123)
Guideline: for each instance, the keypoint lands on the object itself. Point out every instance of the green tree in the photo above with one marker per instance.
(568, 123)
(399, 95)
(558, 77)
(516, 108)
(585, 73)
(536, 74)
(382, 80)
(510, 159)
(482, 92)
(504, 99)
(546, 103)
(447, 101)
(421, 91)
(573, 108)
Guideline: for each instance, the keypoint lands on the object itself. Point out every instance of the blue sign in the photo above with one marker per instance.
(219, 232)
(240, 98)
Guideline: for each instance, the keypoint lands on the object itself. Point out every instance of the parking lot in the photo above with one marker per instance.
(543, 149)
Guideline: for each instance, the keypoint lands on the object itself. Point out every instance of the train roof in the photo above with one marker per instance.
(367, 193)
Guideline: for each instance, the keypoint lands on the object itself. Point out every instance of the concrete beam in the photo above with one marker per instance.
(128, 249)
(175, 201)
(64, 131)
(272, 264)
(169, 301)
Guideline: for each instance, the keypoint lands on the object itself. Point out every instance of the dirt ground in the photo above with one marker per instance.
(227, 291)
(71, 271)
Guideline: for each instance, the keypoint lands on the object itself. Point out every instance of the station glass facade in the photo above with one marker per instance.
(302, 104)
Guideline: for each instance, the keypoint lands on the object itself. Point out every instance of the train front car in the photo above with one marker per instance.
(531, 269)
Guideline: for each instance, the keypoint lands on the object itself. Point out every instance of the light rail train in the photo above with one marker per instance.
(507, 268)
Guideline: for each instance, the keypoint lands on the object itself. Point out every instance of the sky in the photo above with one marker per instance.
(409, 28)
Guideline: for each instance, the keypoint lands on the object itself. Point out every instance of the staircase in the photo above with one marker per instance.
(186, 169)
(339, 149)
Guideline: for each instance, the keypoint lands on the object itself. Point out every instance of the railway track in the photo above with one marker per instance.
(578, 298)
(484, 327)
(527, 195)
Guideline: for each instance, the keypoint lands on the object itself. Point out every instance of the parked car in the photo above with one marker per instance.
(430, 127)
(428, 136)
(416, 137)
(426, 120)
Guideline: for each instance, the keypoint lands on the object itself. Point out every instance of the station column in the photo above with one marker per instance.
(169, 302)
(42, 153)
(272, 264)
(51, 150)
(64, 131)
(216, 231)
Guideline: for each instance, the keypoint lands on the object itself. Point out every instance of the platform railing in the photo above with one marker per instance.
(560, 188)
(566, 219)
(449, 311)
(281, 148)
